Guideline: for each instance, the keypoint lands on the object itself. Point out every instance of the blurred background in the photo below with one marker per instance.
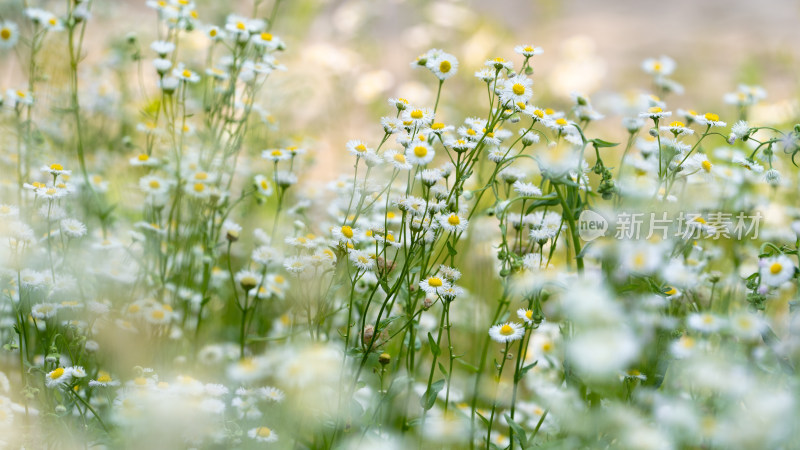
(345, 58)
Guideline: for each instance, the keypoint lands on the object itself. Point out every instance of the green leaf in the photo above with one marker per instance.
(434, 347)
(387, 321)
(452, 251)
(525, 370)
(469, 366)
(519, 433)
(429, 398)
(599, 143)
(441, 367)
(484, 419)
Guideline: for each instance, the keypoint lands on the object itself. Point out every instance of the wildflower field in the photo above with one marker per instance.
(455, 256)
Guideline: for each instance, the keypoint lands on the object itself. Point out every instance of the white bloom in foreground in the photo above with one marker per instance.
(603, 352)
(262, 434)
(58, 377)
(776, 270)
(507, 332)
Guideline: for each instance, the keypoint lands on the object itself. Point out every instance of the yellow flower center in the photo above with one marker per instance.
(671, 291)
(775, 268)
(52, 21)
(157, 314)
(453, 220)
(711, 116)
(706, 165)
(420, 151)
(437, 126)
(56, 374)
(56, 167)
(416, 114)
(538, 113)
(263, 432)
(529, 314)
(401, 158)
(264, 185)
(528, 48)
(5, 33)
(347, 232)
(51, 191)
(506, 330)
(212, 32)
(201, 176)
(143, 157)
(677, 124)
(445, 66)
(562, 121)
(199, 187)
(154, 184)
(655, 109)
(186, 73)
(361, 148)
(240, 26)
(657, 67)
(103, 377)
(266, 37)
(434, 282)
(518, 89)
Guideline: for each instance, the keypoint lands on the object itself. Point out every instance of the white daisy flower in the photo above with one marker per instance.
(528, 50)
(433, 285)
(443, 65)
(453, 223)
(705, 322)
(9, 34)
(58, 377)
(420, 154)
(776, 270)
(526, 189)
(526, 315)
(507, 332)
(262, 434)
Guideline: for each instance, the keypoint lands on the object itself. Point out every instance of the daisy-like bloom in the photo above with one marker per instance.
(185, 75)
(58, 377)
(162, 65)
(276, 155)
(267, 41)
(18, 97)
(154, 185)
(528, 50)
(400, 103)
(397, 159)
(663, 65)
(499, 64)
(78, 371)
(429, 177)
(56, 170)
(357, 148)
(526, 315)
(418, 117)
(655, 113)
(677, 128)
(451, 292)
(516, 90)
(739, 130)
(450, 273)
(197, 190)
(345, 234)
(144, 159)
(420, 154)
(773, 177)
(776, 270)
(745, 95)
(51, 192)
(73, 228)
(272, 394)
(709, 119)
(443, 65)
(747, 163)
(44, 311)
(247, 279)
(560, 125)
(262, 434)
(526, 189)
(215, 33)
(103, 380)
(362, 260)
(9, 34)
(231, 230)
(162, 48)
(507, 332)
(9, 211)
(264, 254)
(747, 326)
(705, 322)
(632, 375)
(263, 185)
(453, 223)
(486, 75)
(434, 285)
